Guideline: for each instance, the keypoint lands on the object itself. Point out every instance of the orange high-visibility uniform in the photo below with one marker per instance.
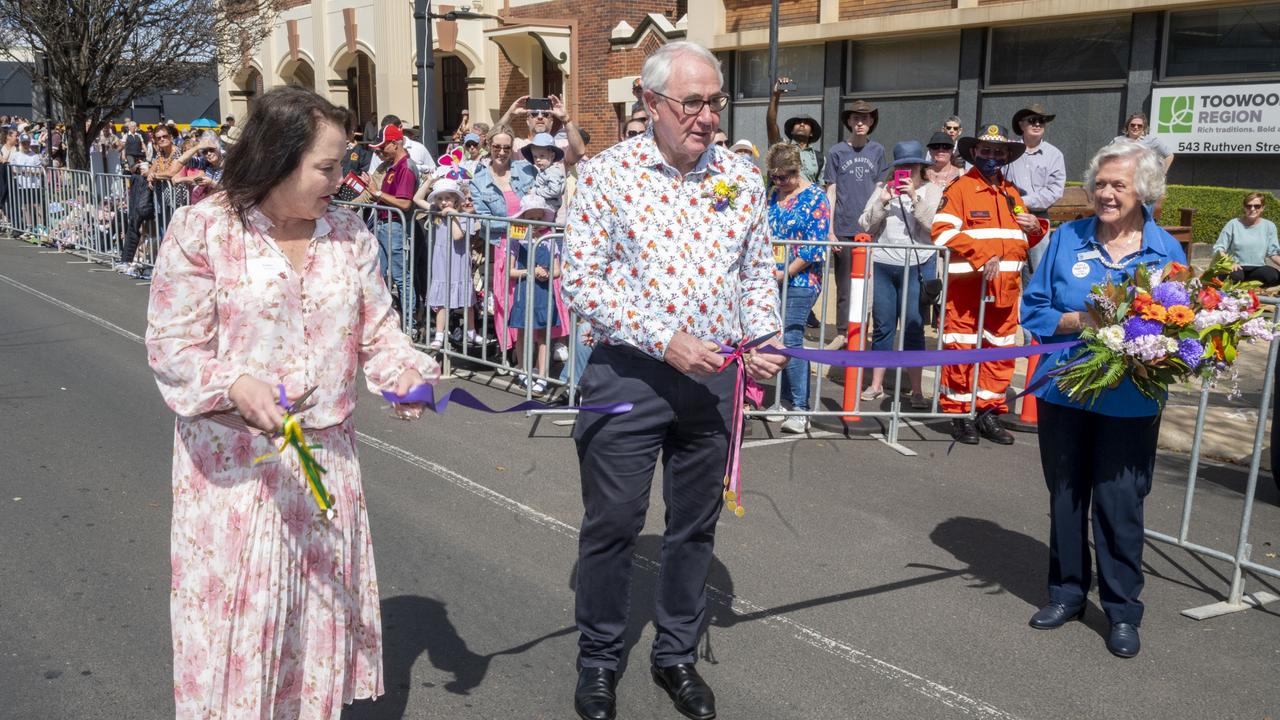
(976, 221)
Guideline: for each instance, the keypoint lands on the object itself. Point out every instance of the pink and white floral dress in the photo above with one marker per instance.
(274, 608)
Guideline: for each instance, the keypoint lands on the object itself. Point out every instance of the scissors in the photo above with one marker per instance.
(299, 405)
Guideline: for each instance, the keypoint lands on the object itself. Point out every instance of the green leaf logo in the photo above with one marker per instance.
(1175, 114)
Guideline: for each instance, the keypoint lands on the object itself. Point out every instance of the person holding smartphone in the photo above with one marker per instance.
(802, 131)
(546, 115)
(900, 212)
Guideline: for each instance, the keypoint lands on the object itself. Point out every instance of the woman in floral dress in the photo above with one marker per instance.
(274, 607)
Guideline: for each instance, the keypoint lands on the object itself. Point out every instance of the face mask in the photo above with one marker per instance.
(988, 166)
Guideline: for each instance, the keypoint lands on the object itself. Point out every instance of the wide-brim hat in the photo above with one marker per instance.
(941, 138)
(446, 186)
(861, 106)
(534, 202)
(909, 152)
(747, 145)
(990, 133)
(231, 136)
(791, 123)
(542, 140)
(1033, 109)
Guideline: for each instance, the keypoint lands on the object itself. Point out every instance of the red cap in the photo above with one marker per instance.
(390, 133)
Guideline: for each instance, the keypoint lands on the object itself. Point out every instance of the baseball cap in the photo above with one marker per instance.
(471, 138)
(390, 133)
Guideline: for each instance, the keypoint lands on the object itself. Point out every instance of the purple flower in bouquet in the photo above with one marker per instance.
(1191, 352)
(1257, 329)
(1136, 327)
(1171, 293)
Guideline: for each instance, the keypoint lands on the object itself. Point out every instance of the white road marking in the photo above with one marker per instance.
(859, 658)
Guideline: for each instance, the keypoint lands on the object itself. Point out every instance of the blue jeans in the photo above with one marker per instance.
(794, 385)
(580, 354)
(887, 300)
(391, 249)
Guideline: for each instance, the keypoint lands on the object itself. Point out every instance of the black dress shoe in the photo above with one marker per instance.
(690, 693)
(990, 428)
(1123, 640)
(595, 699)
(1055, 615)
(964, 431)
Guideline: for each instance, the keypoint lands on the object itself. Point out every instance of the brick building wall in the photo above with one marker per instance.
(596, 62)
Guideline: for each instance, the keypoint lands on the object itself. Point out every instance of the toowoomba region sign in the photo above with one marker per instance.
(1218, 119)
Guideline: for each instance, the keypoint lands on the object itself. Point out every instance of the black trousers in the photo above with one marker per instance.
(1265, 274)
(842, 266)
(133, 234)
(685, 420)
(1107, 460)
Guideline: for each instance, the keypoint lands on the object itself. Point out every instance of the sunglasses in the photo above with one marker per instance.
(633, 133)
(539, 113)
(1034, 120)
(499, 147)
(1136, 126)
(1253, 206)
(950, 127)
(783, 177)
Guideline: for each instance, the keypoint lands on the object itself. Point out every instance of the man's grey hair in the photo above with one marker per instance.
(1148, 171)
(953, 119)
(657, 67)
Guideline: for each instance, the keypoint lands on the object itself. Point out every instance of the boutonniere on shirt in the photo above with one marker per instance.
(723, 194)
(1018, 210)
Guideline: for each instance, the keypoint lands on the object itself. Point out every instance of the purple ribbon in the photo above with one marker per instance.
(426, 395)
(916, 358)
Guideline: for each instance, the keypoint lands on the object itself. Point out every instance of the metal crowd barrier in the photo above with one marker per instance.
(1240, 557)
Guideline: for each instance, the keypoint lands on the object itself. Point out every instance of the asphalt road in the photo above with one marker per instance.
(860, 584)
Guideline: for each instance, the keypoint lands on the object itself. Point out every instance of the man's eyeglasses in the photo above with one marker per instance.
(1253, 206)
(693, 106)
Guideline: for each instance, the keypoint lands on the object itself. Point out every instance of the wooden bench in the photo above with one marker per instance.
(1075, 205)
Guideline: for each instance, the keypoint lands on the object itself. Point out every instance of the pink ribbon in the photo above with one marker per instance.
(744, 389)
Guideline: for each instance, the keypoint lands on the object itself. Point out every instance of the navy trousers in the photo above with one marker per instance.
(684, 419)
(1105, 462)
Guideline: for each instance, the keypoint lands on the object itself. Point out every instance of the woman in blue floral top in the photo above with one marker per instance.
(798, 212)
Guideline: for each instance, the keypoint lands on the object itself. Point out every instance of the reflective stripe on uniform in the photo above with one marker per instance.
(960, 338)
(995, 234)
(947, 218)
(1005, 266)
(945, 236)
(988, 395)
(1001, 340)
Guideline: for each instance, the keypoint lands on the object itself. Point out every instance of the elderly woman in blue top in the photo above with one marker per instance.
(1105, 450)
(798, 212)
(1251, 241)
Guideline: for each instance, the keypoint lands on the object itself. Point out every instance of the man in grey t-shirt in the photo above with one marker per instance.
(852, 169)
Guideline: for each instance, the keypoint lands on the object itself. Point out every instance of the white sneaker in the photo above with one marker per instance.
(120, 267)
(474, 338)
(539, 387)
(796, 425)
(437, 342)
(561, 352)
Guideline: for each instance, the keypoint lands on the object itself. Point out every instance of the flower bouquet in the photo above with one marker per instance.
(1164, 326)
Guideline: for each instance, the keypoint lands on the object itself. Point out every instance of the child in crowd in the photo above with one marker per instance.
(450, 283)
(531, 255)
(546, 156)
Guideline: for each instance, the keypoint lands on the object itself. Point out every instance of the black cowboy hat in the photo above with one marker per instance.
(994, 134)
(861, 106)
(791, 122)
(940, 138)
(1033, 109)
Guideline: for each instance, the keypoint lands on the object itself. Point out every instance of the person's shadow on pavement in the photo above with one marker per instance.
(412, 625)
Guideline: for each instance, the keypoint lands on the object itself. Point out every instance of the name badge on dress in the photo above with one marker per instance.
(267, 267)
(1089, 255)
(1080, 269)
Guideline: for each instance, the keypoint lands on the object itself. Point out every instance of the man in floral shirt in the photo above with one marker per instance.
(666, 256)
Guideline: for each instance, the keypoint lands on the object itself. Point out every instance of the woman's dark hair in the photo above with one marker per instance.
(282, 124)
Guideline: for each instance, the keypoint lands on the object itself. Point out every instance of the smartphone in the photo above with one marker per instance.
(538, 104)
(901, 181)
(787, 86)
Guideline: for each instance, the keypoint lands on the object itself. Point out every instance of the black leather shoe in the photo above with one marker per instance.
(595, 699)
(1055, 615)
(990, 428)
(964, 431)
(1123, 640)
(690, 693)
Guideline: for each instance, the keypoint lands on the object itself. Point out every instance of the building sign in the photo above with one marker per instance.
(1218, 119)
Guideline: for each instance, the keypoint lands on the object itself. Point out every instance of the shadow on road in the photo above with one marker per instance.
(413, 625)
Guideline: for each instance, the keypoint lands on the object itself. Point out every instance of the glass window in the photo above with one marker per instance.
(802, 63)
(924, 63)
(1060, 52)
(1223, 41)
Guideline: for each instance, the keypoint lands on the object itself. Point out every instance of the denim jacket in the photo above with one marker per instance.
(488, 197)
